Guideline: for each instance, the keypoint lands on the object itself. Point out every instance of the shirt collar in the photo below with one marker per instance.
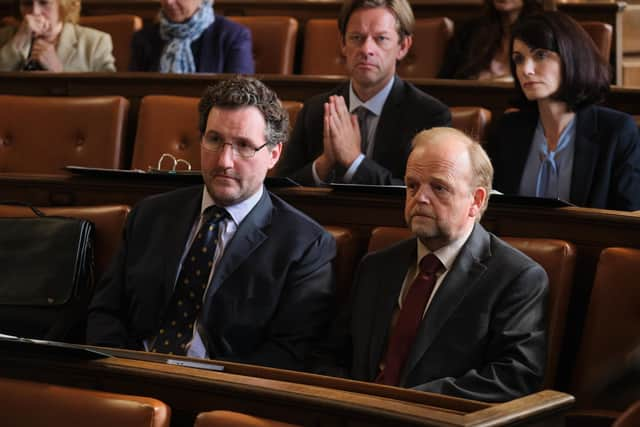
(446, 254)
(238, 211)
(375, 104)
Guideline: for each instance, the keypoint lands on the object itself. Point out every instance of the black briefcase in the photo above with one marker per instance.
(46, 276)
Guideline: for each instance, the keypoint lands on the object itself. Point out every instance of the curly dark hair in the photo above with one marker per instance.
(241, 92)
(585, 73)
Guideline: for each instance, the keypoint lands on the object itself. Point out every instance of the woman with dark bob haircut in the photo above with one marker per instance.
(559, 144)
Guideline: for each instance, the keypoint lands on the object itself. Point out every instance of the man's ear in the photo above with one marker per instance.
(275, 155)
(405, 45)
(479, 197)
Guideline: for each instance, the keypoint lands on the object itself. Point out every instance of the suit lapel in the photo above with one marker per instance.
(389, 282)
(177, 240)
(250, 234)
(518, 148)
(390, 121)
(585, 156)
(466, 270)
(68, 43)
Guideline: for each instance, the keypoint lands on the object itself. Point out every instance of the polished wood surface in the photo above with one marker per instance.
(492, 96)
(288, 396)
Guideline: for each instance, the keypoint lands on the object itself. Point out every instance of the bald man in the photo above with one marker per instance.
(470, 324)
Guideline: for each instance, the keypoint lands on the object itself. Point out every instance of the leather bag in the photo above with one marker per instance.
(46, 276)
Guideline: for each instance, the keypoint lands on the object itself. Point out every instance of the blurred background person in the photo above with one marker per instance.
(49, 38)
(480, 48)
(560, 144)
(190, 38)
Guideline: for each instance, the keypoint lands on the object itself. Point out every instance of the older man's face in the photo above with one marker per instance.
(179, 10)
(441, 202)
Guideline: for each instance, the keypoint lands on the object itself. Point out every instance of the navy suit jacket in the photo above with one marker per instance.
(406, 112)
(270, 297)
(224, 47)
(483, 336)
(606, 164)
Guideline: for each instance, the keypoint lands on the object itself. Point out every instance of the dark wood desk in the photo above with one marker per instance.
(309, 400)
(134, 86)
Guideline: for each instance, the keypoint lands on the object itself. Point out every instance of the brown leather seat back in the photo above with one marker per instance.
(322, 48)
(108, 220)
(474, 121)
(345, 260)
(601, 33)
(31, 404)
(557, 257)
(166, 124)
(235, 419)
(121, 29)
(611, 333)
(45, 134)
(169, 124)
(430, 39)
(274, 42)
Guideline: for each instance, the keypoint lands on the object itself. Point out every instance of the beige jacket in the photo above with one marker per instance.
(80, 49)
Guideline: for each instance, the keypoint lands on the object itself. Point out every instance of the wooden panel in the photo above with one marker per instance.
(287, 396)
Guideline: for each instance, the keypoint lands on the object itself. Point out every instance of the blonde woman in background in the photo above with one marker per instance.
(49, 38)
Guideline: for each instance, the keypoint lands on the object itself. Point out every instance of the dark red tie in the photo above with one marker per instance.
(409, 318)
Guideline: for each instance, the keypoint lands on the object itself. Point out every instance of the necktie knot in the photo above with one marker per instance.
(214, 214)
(430, 264)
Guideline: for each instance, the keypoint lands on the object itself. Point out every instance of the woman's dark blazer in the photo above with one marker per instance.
(606, 164)
(224, 47)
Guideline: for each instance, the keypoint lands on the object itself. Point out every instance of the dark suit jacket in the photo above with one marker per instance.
(483, 336)
(406, 112)
(269, 298)
(606, 164)
(224, 47)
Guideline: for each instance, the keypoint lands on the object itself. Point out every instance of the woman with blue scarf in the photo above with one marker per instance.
(190, 38)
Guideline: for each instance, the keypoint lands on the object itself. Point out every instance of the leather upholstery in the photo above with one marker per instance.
(322, 53)
(43, 134)
(557, 257)
(31, 404)
(235, 419)
(121, 29)
(474, 121)
(345, 260)
(169, 124)
(274, 42)
(108, 221)
(601, 33)
(430, 39)
(630, 417)
(611, 334)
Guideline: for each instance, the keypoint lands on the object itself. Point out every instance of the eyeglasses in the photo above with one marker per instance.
(243, 149)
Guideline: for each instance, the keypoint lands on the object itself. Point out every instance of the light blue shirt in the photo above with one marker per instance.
(227, 229)
(375, 106)
(563, 158)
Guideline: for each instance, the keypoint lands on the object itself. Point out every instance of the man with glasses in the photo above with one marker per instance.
(361, 132)
(228, 270)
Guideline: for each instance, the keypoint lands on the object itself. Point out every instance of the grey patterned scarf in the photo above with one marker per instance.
(176, 54)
